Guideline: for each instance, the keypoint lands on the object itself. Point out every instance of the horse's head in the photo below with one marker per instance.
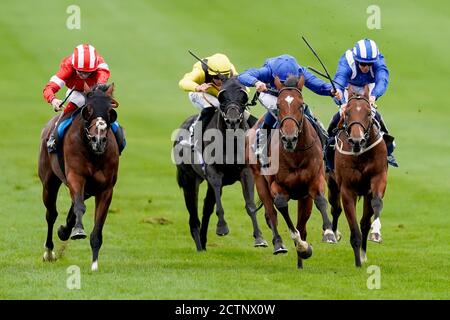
(98, 114)
(357, 119)
(232, 98)
(290, 110)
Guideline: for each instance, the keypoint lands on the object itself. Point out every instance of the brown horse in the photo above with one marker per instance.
(300, 175)
(87, 164)
(360, 170)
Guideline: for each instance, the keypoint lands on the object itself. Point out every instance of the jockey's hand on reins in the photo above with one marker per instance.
(57, 105)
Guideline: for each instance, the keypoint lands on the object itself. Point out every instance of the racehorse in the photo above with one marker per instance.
(87, 164)
(360, 170)
(300, 175)
(228, 118)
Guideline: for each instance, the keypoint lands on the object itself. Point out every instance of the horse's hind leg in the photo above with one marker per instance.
(365, 225)
(102, 203)
(247, 190)
(335, 204)
(50, 192)
(208, 208)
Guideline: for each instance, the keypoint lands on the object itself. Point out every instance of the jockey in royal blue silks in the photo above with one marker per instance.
(263, 80)
(360, 66)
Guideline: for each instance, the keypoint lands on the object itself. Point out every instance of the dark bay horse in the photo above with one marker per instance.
(221, 169)
(300, 175)
(360, 170)
(87, 165)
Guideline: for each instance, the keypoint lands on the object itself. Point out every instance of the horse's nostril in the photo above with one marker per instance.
(350, 140)
(363, 141)
(94, 139)
(103, 139)
(284, 139)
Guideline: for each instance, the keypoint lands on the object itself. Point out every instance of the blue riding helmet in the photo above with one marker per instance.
(366, 51)
(284, 66)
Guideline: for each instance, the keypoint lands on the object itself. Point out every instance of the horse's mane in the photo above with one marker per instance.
(291, 82)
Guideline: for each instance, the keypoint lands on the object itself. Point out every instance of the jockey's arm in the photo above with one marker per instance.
(249, 77)
(191, 80)
(381, 78)
(103, 72)
(315, 84)
(57, 81)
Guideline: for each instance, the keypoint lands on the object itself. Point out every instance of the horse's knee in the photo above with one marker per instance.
(321, 202)
(280, 201)
(377, 204)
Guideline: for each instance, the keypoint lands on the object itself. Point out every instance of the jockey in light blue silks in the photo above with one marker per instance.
(263, 80)
(360, 66)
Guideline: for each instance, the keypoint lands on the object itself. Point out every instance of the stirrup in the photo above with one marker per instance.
(391, 160)
(51, 144)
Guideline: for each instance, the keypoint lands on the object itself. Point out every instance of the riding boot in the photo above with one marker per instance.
(388, 139)
(251, 121)
(204, 117)
(53, 139)
(318, 126)
(119, 133)
(329, 147)
(262, 141)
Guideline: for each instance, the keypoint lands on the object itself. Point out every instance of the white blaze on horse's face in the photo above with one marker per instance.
(98, 138)
(289, 100)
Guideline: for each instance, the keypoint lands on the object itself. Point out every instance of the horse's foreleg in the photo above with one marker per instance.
(190, 192)
(335, 204)
(65, 230)
(378, 187)
(208, 208)
(76, 187)
(215, 180)
(321, 204)
(49, 195)
(349, 203)
(365, 225)
(247, 184)
(270, 213)
(304, 249)
(102, 202)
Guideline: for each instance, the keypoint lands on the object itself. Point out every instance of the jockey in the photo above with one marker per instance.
(263, 79)
(203, 84)
(84, 66)
(364, 64)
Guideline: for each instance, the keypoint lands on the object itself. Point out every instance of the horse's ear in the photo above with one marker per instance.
(350, 90)
(301, 82)
(86, 113)
(278, 83)
(366, 91)
(86, 88)
(112, 115)
(110, 90)
(114, 103)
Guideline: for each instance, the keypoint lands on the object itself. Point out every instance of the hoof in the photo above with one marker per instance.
(222, 230)
(329, 237)
(279, 248)
(94, 266)
(306, 254)
(260, 242)
(49, 256)
(62, 234)
(78, 233)
(375, 237)
(338, 235)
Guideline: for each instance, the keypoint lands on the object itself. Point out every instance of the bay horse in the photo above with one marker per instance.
(360, 170)
(300, 175)
(190, 174)
(87, 164)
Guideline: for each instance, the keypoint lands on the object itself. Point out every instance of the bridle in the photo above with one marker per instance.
(346, 127)
(232, 105)
(299, 124)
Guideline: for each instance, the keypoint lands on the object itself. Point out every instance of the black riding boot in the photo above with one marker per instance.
(388, 139)
(251, 121)
(329, 147)
(119, 133)
(53, 139)
(318, 126)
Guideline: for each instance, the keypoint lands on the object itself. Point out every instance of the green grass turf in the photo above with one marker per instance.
(145, 43)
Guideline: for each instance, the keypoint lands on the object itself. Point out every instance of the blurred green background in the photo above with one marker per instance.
(147, 251)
